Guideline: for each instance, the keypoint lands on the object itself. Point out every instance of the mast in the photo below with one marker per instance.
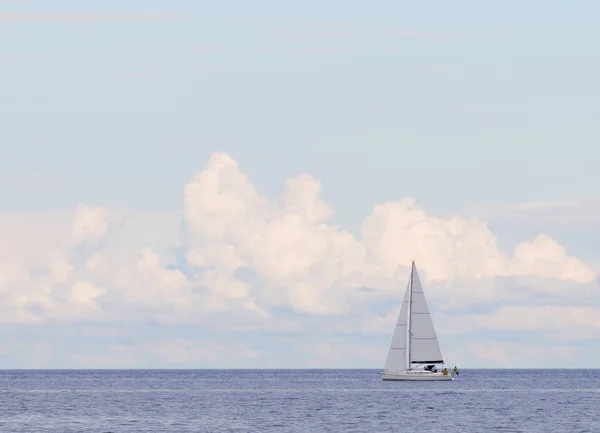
(409, 321)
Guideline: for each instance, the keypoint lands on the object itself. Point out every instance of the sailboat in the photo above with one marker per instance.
(415, 352)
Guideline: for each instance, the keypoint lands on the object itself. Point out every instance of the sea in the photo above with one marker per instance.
(297, 401)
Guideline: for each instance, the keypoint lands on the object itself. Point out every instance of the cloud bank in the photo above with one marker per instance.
(277, 277)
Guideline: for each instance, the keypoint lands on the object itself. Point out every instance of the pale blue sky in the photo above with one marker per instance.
(466, 106)
(489, 102)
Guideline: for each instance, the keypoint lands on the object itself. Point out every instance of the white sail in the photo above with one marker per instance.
(422, 347)
(396, 359)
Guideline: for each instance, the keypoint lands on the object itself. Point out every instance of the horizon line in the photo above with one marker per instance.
(280, 369)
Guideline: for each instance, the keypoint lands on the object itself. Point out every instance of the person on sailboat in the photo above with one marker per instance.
(456, 370)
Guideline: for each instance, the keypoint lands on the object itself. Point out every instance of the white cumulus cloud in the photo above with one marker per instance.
(246, 261)
(92, 224)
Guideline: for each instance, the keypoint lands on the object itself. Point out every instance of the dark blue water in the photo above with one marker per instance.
(297, 401)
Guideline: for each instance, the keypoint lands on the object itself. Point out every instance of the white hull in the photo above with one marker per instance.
(417, 375)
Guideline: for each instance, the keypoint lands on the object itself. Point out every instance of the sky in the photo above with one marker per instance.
(234, 184)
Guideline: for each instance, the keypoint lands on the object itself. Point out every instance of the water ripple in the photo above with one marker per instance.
(297, 401)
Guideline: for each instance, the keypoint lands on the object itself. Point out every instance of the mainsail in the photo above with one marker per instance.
(415, 327)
